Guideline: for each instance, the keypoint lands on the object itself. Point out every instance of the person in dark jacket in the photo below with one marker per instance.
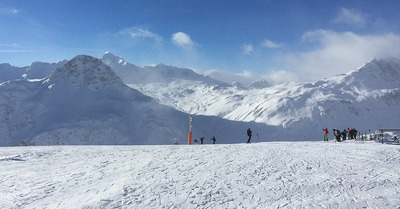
(249, 134)
(201, 140)
(344, 134)
(355, 133)
(352, 133)
(337, 134)
(213, 139)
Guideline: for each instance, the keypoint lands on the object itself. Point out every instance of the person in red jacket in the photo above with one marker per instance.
(348, 133)
(325, 134)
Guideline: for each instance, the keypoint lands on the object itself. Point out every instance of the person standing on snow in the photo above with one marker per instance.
(344, 133)
(352, 133)
(213, 139)
(355, 133)
(337, 134)
(249, 134)
(201, 140)
(348, 133)
(325, 134)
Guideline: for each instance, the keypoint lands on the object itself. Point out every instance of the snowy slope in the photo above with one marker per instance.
(366, 99)
(85, 102)
(261, 175)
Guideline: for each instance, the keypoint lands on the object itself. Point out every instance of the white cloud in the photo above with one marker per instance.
(340, 52)
(244, 77)
(247, 48)
(282, 76)
(16, 51)
(8, 11)
(270, 44)
(136, 32)
(351, 17)
(182, 40)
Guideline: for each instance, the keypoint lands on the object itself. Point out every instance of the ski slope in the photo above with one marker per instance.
(259, 175)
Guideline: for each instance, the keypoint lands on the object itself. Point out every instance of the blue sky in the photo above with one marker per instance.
(279, 40)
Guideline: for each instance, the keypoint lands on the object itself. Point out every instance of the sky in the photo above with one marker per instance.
(278, 40)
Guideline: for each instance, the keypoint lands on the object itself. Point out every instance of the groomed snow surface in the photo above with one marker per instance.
(351, 174)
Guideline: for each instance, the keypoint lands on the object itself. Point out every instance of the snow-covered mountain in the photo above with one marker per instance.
(366, 99)
(85, 102)
(160, 74)
(36, 70)
(8, 72)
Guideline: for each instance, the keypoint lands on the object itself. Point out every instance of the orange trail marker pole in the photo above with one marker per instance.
(190, 130)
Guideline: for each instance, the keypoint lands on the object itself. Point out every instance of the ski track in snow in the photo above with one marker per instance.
(258, 175)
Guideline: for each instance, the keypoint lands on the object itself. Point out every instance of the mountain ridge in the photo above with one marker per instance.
(93, 105)
(85, 102)
(160, 73)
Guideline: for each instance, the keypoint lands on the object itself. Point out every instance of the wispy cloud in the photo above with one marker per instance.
(282, 76)
(13, 48)
(247, 48)
(270, 44)
(244, 77)
(183, 40)
(16, 51)
(350, 16)
(136, 32)
(9, 11)
(130, 38)
(340, 52)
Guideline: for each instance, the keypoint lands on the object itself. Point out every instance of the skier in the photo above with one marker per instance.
(344, 133)
(213, 139)
(336, 132)
(201, 140)
(325, 134)
(249, 134)
(195, 141)
(353, 133)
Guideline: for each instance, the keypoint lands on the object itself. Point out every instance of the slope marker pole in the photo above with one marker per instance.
(190, 130)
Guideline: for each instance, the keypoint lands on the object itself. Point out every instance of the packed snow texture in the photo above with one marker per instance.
(261, 175)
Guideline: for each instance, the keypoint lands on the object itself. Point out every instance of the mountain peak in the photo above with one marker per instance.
(85, 70)
(109, 58)
(260, 84)
(377, 74)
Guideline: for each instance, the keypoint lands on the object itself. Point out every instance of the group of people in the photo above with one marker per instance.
(202, 140)
(214, 140)
(341, 136)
